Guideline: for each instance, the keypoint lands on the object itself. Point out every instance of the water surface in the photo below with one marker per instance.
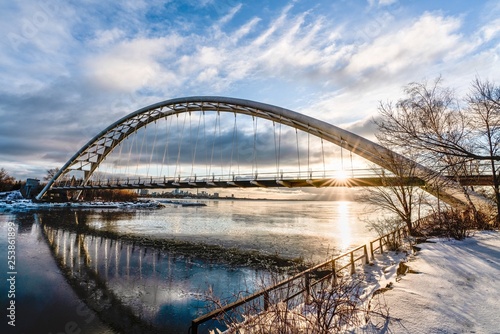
(68, 279)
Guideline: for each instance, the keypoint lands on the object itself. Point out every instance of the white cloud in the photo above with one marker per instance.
(428, 40)
(276, 25)
(490, 31)
(105, 38)
(381, 3)
(244, 30)
(228, 17)
(131, 65)
(386, 2)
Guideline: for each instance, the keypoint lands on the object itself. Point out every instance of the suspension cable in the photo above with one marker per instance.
(254, 164)
(118, 160)
(275, 150)
(134, 141)
(235, 127)
(237, 148)
(220, 148)
(308, 150)
(323, 156)
(341, 154)
(196, 143)
(352, 167)
(298, 153)
(180, 138)
(279, 146)
(207, 172)
(140, 152)
(165, 151)
(213, 142)
(152, 149)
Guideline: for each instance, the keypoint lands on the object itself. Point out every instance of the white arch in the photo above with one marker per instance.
(93, 153)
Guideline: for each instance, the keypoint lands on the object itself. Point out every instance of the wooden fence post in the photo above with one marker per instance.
(353, 269)
(194, 327)
(366, 254)
(334, 271)
(307, 287)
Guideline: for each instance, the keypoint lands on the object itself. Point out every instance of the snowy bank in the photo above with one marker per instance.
(14, 202)
(456, 288)
(447, 286)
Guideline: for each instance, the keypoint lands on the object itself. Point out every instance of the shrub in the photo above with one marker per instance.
(453, 223)
(329, 307)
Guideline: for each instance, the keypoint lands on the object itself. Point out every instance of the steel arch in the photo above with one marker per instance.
(93, 153)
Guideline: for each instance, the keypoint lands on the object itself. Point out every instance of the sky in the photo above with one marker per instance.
(69, 69)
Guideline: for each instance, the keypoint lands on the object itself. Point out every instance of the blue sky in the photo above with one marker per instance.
(71, 68)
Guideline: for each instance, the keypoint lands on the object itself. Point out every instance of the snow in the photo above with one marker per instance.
(450, 287)
(13, 201)
(456, 288)
(11, 195)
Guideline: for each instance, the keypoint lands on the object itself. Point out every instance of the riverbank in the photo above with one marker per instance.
(14, 202)
(445, 286)
(453, 287)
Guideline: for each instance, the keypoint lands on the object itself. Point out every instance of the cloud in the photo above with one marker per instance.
(132, 64)
(490, 31)
(387, 2)
(104, 38)
(364, 128)
(229, 16)
(428, 40)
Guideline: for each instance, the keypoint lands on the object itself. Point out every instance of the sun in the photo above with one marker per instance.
(341, 175)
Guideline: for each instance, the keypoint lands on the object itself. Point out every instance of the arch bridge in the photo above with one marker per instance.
(186, 137)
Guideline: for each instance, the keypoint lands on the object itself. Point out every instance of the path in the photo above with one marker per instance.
(457, 289)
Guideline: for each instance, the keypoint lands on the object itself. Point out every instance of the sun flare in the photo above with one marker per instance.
(341, 175)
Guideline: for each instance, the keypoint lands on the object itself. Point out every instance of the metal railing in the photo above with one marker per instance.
(307, 279)
(282, 175)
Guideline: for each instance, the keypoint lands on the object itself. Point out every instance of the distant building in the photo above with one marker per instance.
(30, 187)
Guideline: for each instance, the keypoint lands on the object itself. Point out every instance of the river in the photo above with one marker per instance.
(73, 275)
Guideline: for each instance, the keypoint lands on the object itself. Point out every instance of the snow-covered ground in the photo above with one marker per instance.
(456, 289)
(451, 287)
(13, 201)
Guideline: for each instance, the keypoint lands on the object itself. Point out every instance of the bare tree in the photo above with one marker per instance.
(428, 119)
(50, 173)
(448, 138)
(484, 107)
(398, 194)
(6, 181)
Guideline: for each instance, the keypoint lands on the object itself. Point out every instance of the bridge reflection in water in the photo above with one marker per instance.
(136, 289)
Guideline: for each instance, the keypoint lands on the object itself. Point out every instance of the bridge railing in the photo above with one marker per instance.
(285, 175)
(302, 283)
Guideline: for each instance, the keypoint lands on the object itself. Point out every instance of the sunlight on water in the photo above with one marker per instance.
(344, 225)
(311, 230)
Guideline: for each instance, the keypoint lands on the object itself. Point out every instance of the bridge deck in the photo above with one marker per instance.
(266, 183)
